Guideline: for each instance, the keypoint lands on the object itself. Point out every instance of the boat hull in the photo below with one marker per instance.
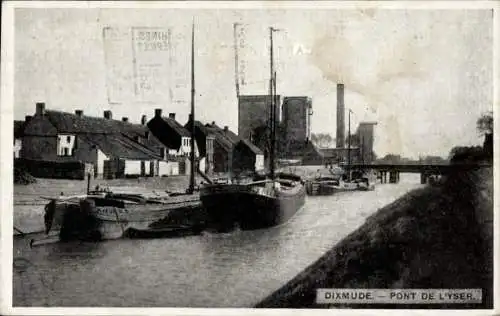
(228, 206)
(103, 219)
(319, 188)
(325, 188)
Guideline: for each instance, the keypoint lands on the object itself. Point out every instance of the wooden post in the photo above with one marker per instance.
(393, 177)
(423, 178)
(88, 183)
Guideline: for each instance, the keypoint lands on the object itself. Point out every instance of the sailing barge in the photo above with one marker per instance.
(259, 204)
(268, 201)
(103, 214)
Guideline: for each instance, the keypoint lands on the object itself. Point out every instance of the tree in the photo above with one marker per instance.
(462, 154)
(485, 127)
(261, 137)
(390, 159)
(355, 141)
(322, 139)
(434, 160)
(485, 123)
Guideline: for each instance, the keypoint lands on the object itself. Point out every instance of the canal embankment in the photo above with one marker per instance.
(438, 236)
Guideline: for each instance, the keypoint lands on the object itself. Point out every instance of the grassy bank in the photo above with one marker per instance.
(429, 238)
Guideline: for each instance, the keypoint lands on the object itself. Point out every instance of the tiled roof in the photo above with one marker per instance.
(116, 145)
(70, 123)
(256, 150)
(228, 139)
(113, 137)
(200, 126)
(147, 138)
(177, 127)
(235, 139)
(220, 138)
(167, 131)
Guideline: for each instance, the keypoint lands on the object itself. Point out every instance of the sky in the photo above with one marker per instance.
(424, 76)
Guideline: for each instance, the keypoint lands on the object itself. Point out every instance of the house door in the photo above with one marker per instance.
(152, 168)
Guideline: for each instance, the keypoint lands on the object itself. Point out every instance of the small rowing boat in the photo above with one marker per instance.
(163, 232)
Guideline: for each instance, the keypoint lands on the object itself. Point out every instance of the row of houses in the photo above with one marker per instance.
(118, 148)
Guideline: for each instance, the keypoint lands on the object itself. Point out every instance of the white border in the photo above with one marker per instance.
(6, 163)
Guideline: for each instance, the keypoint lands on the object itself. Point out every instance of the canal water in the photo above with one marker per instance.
(236, 269)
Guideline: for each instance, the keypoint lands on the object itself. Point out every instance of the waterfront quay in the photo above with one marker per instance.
(245, 266)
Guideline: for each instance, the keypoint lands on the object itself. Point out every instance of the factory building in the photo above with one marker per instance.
(297, 113)
(296, 126)
(294, 129)
(365, 137)
(254, 113)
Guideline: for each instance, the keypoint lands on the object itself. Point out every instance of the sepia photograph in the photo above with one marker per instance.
(250, 155)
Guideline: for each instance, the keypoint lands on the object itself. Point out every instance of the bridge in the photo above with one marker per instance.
(425, 170)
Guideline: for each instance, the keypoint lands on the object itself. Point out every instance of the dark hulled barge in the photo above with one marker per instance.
(259, 204)
(265, 202)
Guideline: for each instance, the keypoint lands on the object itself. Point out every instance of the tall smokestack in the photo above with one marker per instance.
(340, 116)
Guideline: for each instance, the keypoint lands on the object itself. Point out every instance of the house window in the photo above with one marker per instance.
(66, 145)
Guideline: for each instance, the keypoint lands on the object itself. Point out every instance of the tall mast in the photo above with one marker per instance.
(271, 96)
(191, 179)
(170, 67)
(349, 147)
(236, 60)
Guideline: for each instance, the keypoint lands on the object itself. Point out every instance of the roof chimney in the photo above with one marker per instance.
(108, 115)
(79, 113)
(28, 118)
(171, 115)
(157, 112)
(226, 128)
(144, 120)
(340, 116)
(124, 119)
(40, 108)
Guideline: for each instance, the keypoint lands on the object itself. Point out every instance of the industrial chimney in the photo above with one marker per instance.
(340, 116)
